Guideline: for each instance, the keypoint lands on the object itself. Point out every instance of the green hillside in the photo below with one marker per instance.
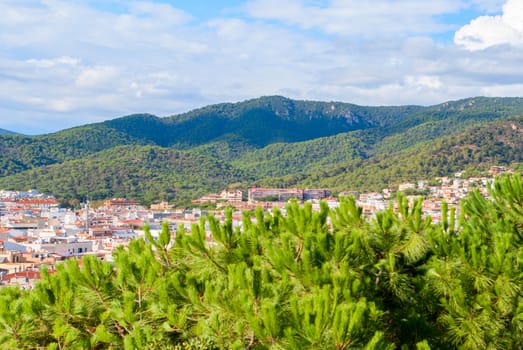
(474, 149)
(270, 141)
(254, 123)
(272, 119)
(143, 172)
(286, 158)
(19, 153)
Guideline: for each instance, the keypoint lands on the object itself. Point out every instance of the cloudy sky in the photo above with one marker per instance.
(65, 63)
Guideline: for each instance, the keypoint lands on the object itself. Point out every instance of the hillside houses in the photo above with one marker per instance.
(257, 194)
(225, 196)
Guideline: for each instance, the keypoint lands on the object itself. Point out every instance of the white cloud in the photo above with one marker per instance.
(487, 31)
(353, 17)
(60, 105)
(503, 90)
(95, 77)
(53, 105)
(424, 82)
(49, 63)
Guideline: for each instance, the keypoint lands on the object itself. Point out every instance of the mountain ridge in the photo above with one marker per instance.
(270, 140)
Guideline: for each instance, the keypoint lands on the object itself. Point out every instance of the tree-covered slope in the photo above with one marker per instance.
(339, 162)
(281, 159)
(445, 120)
(276, 119)
(367, 146)
(271, 141)
(253, 123)
(271, 119)
(476, 148)
(19, 153)
(146, 173)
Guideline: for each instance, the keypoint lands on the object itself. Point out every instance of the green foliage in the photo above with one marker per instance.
(280, 159)
(478, 147)
(477, 277)
(270, 141)
(308, 280)
(147, 173)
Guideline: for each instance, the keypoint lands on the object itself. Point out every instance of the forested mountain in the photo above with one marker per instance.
(254, 123)
(271, 141)
(267, 120)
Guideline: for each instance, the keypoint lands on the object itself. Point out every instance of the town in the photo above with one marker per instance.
(36, 231)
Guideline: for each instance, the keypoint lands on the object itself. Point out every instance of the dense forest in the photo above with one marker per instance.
(270, 141)
(330, 279)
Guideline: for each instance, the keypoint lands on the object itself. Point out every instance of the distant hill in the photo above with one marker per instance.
(474, 150)
(19, 153)
(144, 172)
(6, 132)
(258, 122)
(270, 140)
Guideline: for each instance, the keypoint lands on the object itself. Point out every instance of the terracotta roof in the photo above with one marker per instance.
(137, 221)
(23, 274)
(37, 201)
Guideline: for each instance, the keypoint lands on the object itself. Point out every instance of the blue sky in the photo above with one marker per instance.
(65, 63)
